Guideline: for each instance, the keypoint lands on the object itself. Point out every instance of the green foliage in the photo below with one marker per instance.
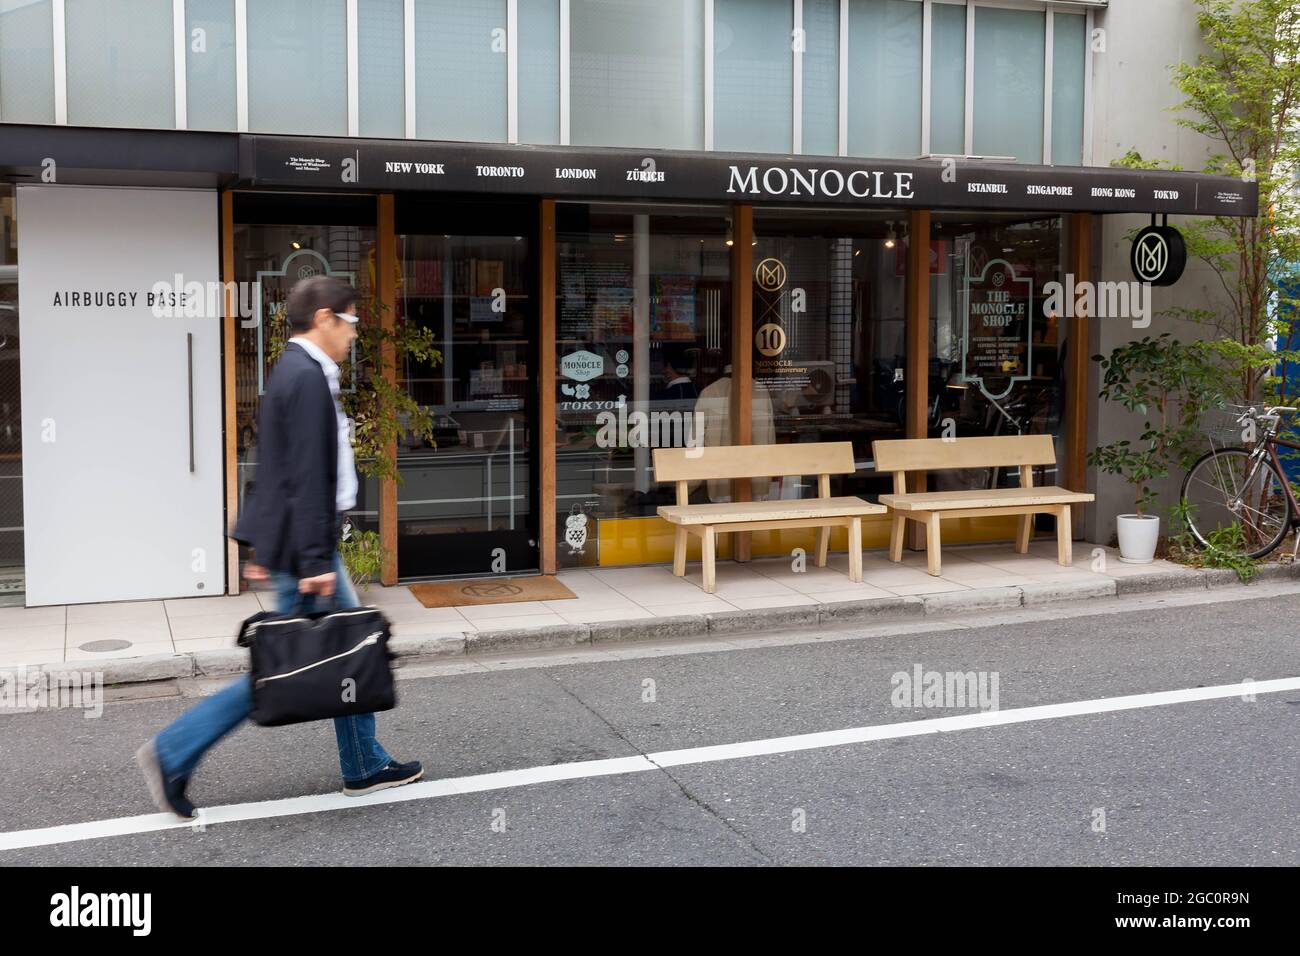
(1224, 547)
(1170, 383)
(363, 556)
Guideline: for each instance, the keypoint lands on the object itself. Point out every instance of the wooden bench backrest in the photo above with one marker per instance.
(754, 461)
(937, 454)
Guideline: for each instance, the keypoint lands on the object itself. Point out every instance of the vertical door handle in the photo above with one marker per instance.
(189, 343)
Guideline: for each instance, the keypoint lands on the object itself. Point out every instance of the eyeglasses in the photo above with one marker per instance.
(347, 317)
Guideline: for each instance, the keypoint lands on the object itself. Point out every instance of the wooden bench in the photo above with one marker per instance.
(930, 507)
(707, 521)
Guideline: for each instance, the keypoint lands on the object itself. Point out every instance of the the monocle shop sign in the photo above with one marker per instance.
(998, 343)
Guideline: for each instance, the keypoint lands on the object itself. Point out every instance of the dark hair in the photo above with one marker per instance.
(313, 294)
(679, 357)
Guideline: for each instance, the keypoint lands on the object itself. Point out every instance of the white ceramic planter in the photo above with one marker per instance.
(1137, 538)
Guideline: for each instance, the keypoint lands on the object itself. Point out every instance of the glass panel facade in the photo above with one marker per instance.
(11, 421)
(539, 72)
(120, 55)
(297, 67)
(275, 256)
(460, 69)
(885, 78)
(997, 361)
(753, 75)
(465, 499)
(643, 348)
(1009, 76)
(1069, 61)
(26, 61)
(210, 64)
(637, 73)
(821, 77)
(829, 343)
(948, 79)
(381, 69)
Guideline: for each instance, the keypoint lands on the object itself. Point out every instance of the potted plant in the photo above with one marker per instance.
(1171, 383)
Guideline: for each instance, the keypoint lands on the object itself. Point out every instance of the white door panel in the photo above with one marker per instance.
(113, 509)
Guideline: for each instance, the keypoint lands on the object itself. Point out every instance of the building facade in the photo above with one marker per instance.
(626, 224)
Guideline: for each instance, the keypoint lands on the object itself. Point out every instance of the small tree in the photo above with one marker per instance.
(1170, 382)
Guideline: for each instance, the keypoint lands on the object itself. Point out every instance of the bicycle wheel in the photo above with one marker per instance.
(1221, 490)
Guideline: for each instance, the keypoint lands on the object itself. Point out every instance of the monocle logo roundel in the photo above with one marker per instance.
(1159, 255)
(770, 274)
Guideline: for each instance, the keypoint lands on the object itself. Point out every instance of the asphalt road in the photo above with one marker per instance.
(1198, 783)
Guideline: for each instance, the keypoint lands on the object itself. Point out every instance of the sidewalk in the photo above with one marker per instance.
(185, 636)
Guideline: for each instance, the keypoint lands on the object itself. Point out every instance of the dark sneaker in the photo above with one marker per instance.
(394, 775)
(169, 797)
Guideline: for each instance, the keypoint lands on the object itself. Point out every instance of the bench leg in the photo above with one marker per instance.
(1064, 537)
(932, 557)
(823, 545)
(855, 550)
(896, 530)
(707, 556)
(1022, 536)
(679, 552)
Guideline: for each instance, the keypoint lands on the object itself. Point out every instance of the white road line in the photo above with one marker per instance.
(321, 803)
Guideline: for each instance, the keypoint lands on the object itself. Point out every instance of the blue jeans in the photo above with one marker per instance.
(184, 742)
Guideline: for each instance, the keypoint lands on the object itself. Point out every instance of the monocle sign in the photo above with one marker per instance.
(598, 172)
(1158, 255)
(997, 348)
(582, 366)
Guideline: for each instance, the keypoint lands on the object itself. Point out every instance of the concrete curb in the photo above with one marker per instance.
(444, 646)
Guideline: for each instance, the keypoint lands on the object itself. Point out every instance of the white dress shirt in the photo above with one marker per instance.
(346, 493)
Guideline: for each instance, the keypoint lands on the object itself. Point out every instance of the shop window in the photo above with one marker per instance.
(753, 75)
(210, 64)
(821, 77)
(539, 72)
(643, 318)
(460, 69)
(948, 79)
(11, 423)
(26, 62)
(637, 73)
(297, 67)
(1009, 76)
(885, 78)
(381, 68)
(270, 258)
(829, 355)
(120, 56)
(1069, 63)
(997, 357)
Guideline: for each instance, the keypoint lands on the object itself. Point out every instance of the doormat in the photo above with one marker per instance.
(491, 591)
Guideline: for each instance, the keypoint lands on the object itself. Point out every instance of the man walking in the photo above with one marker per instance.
(306, 481)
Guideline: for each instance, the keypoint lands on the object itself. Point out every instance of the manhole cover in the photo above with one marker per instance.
(102, 646)
(492, 590)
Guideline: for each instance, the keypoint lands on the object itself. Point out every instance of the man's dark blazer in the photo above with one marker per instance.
(289, 515)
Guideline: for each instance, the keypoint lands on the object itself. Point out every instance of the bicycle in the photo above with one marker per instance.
(1245, 486)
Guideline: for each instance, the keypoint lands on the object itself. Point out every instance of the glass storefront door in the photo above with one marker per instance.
(466, 499)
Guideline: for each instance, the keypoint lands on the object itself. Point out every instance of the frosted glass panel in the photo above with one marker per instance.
(460, 69)
(539, 71)
(948, 79)
(753, 75)
(885, 78)
(26, 62)
(210, 64)
(821, 77)
(381, 96)
(637, 73)
(120, 55)
(1069, 56)
(297, 67)
(1009, 83)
